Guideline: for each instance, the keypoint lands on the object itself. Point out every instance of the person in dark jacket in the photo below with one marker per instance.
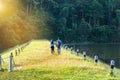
(52, 46)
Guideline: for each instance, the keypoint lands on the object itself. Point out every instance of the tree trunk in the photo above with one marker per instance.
(30, 5)
(94, 21)
(41, 4)
(27, 9)
(98, 22)
(89, 20)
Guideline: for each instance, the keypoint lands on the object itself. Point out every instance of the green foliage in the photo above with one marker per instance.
(71, 20)
(68, 14)
(83, 30)
(105, 33)
(18, 27)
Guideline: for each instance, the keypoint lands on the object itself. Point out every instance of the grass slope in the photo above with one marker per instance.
(37, 63)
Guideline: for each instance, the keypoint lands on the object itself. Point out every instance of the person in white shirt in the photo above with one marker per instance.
(112, 64)
(96, 59)
(77, 52)
(84, 54)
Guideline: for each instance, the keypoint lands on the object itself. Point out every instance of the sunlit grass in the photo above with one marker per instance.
(37, 63)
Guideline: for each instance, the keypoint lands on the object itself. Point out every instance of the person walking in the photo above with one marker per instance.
(59, 43)
(52, 46)
(96, 59)
(112, 64)
(84, 55)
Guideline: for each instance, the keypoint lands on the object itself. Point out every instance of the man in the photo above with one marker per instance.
(59, 42)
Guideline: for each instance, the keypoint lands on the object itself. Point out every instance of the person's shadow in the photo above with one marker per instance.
(3, 70)
(112, 74)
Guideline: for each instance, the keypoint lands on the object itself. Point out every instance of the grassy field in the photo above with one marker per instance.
(37, 63)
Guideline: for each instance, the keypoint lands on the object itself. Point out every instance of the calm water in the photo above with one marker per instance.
(106, 52)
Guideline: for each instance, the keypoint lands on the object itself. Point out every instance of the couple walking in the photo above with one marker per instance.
(58, 44)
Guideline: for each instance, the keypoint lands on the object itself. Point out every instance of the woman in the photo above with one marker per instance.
(52, 46)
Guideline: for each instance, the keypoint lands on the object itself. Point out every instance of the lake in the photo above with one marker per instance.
(106, 52)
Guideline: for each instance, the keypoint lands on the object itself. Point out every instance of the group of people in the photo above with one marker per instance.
(58, 44)
(112, 62)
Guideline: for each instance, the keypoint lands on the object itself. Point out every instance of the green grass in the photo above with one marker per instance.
(37, 63)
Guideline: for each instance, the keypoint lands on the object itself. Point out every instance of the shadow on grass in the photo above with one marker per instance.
(3, 70)
(112, 74)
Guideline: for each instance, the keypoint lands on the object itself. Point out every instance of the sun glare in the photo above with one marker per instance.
(1, 6)
(7, 8)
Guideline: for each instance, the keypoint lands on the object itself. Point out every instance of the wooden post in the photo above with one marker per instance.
(16, 52)
(71, 50)
(41, 4)
(19, 50)
(10, 62)
(0, 61)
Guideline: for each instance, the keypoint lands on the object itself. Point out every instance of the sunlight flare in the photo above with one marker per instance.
(1, 6)
(7, 8)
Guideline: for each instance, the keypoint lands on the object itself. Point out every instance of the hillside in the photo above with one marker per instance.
(17, 27)
(37, 63)
(86, 21)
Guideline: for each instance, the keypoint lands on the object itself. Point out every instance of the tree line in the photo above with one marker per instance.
(83, 20)
(70, 20)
